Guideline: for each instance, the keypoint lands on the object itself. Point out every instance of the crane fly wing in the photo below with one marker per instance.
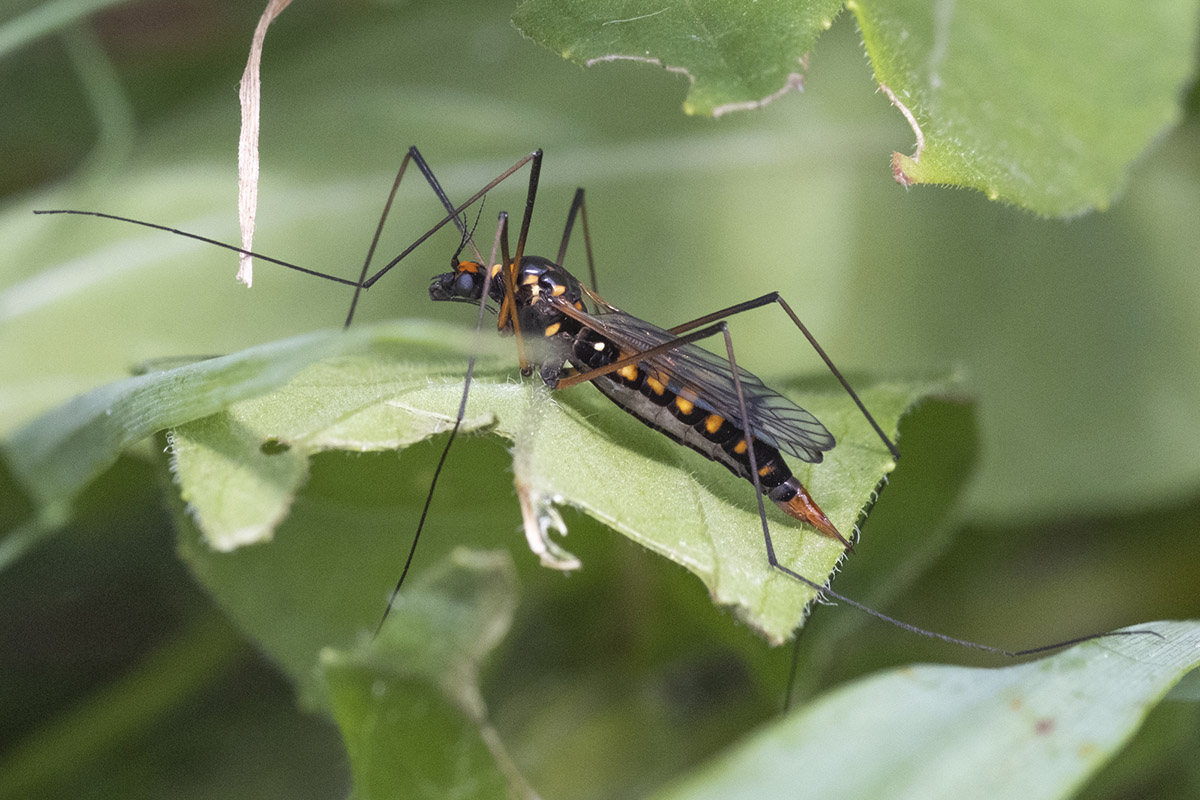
(706, 380)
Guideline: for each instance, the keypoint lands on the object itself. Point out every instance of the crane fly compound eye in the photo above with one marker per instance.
(464, 284)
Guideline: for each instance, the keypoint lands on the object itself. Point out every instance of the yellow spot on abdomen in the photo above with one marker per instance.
(629, 372)
(685, 406)
(713, 423)
(741, 447)
(553, 329)
(655, 385)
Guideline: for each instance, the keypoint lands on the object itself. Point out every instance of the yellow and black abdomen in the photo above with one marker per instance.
(685, 416)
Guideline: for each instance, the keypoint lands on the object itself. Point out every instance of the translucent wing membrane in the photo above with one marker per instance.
(706, 380)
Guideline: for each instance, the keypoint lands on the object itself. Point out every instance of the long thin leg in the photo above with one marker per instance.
(197, 237)
(453, 214)
(821, 589)
(535, 156)
(579, 207)
(507, 316)
(501, 232)
(499, 243)
(387, 208)
(774, 297)
(666, 347)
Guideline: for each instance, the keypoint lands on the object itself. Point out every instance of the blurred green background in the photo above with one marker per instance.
(1079, 340)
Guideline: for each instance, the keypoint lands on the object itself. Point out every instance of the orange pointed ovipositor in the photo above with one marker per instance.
(802, 506)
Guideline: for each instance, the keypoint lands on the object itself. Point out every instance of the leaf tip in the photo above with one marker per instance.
(900, 169)
(904, 167)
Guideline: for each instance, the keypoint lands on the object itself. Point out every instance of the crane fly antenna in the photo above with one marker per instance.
(469, 237)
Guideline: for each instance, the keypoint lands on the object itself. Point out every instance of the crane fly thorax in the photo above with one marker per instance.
(542, 288)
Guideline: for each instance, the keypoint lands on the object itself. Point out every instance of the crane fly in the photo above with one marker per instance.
(568, 334)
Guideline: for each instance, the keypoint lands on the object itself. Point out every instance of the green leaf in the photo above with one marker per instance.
(238, 470)
(736, 55)
(582, 452)
(683, 215)
(409, 703)
(1040, 104)
(1026, 732)
(58, 454)
(387, 386)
